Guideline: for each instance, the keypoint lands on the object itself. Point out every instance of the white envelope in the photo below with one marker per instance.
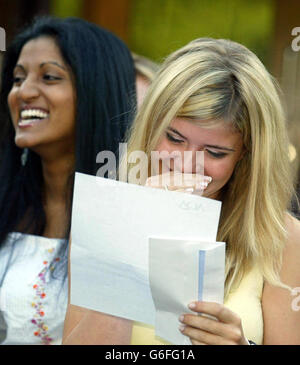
(111, 224)
(180, 272)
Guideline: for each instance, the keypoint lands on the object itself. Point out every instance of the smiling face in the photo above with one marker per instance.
(222, 146)
(42, 98)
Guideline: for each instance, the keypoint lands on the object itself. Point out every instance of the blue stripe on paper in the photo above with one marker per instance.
(201, 274)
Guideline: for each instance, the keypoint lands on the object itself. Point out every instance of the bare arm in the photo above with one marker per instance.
(281, 320)
(86, 327)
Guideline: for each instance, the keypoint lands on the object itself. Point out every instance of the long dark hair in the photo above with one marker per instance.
(105, 92)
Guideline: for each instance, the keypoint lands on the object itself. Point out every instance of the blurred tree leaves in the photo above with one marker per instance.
(158, 27)
(66, 8)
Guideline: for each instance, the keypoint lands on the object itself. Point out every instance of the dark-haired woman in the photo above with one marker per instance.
(67, 91)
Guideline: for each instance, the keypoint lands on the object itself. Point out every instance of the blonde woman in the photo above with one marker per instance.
(216, 96)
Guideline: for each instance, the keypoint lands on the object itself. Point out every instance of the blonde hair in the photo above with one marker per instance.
(211, 79)
(144, 66)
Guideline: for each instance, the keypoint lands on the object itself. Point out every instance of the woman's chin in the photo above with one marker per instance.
(23, 142)
(210, 194)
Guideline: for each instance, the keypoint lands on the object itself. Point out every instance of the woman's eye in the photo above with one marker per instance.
(217, 154)
(49, 77)
(17, 79)
(173, 139)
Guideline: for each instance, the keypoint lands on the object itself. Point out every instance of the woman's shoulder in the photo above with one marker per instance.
(293, 231)
(291, 253)
(281, 321)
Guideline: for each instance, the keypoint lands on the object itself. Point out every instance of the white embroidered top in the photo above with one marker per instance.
(33, 290)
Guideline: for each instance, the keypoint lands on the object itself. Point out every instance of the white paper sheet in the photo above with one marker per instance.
(111, 224)
(182, 271)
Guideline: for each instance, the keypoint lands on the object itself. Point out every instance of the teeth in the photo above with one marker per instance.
(24, 122)
(30, 113)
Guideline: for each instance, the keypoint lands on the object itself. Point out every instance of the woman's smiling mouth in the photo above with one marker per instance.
(29, 117)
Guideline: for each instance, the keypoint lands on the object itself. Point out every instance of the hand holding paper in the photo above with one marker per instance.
(181, 271)
(213, 324)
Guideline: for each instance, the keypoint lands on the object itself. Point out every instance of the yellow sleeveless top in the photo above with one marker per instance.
(245, 301)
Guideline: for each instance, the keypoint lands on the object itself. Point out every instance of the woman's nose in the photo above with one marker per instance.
(28, 90)
(191, 162)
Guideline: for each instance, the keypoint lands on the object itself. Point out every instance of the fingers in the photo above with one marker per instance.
(195, 342)
(198, 336)
(215, 326)
(176, 181)
(216, 310)
(210, 330)
(204, 323)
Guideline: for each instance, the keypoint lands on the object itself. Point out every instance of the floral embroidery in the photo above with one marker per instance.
(39, 288)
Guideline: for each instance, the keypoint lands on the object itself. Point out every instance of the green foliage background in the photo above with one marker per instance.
(65, 8)
(158, 27)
